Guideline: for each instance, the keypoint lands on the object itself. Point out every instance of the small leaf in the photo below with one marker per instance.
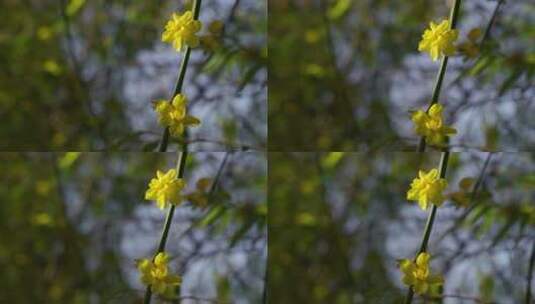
(203, 184)
(339, 9)
(212, 215)
(480, 65)
(74, 6)
(68, 159)
(466, 183)
(332, 159)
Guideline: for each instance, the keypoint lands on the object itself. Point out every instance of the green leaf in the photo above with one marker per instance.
(331, 159)
(339, 9)
(486, 288)
(212, 215)
(480, 65)
(68, 159)
(74, 6)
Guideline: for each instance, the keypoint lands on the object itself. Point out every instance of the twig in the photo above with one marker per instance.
(180, 81)
(442, 71)
(445, 154)
(181, 164)
(530, 274)
(460, 297)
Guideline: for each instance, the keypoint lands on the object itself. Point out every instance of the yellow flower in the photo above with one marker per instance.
(180, 31)
(156, 274)
(427, 188)
(173, 115)
(52, 67)
(431, 125)
(438, 40)
(417, 275)
(165, 189)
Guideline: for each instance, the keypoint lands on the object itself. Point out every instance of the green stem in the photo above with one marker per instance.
(454, 13)
(430, 220)
(180, 81)
(181, 164)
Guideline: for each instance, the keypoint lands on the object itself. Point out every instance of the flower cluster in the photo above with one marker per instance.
(438, 40)
(431, 125)
(156, 274)
(181, 30)
(174, 115)
(165, 189)
(427, 189)
(417, 275)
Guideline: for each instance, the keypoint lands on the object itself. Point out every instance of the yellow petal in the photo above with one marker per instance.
(161, 259)
(422, 259)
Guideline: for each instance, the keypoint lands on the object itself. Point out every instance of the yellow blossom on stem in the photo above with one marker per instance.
(431, 125)
(427, 189)
(156, 274)
(180, 31)
(438, 40)
(165, 189)
(174, 115)
(417, 275)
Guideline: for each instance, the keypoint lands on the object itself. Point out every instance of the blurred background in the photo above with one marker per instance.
(73, 225)
(345, 74)
(81, 75)
(338, 223)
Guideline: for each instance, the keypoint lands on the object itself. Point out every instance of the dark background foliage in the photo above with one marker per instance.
(81, 75)
(345, 74)
(73, 225)
(338, 223)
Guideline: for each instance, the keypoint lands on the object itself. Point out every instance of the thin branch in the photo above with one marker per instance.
(181, 164)
(442, 70)
(445, 154)
(529, 277)
(473, 195)
(180, 81)
(460, 297)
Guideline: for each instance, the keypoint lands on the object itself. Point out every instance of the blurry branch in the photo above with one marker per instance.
(230, 146)
(486, 35)
(217, 178)
(473, 194)
(70, 41)
(340, 87)
(337, 235)
(232, 13)
(180, 81)
(213, 188)
(264, 291)
(70, 48)
(530, 274)
(467, 298)
(197, 299)
(181, 164)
